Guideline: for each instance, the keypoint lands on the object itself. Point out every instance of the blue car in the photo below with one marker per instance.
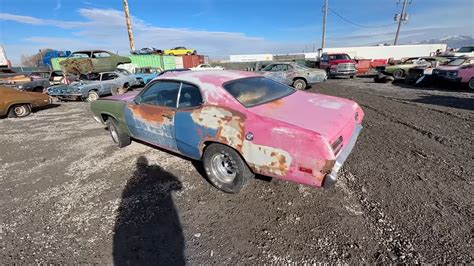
(146, 74)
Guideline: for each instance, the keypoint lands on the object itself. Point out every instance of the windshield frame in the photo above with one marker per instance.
(292, 90)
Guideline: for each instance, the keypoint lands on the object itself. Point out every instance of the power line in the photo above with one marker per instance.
(357, 24)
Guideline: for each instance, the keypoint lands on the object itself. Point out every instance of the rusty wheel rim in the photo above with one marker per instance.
(20, 110)
(223, 167)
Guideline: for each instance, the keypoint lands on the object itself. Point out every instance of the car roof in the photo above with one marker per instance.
(88, 51)
(215, 77)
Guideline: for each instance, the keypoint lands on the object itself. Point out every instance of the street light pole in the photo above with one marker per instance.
(129, 25)
(323, 44)
(402, 17)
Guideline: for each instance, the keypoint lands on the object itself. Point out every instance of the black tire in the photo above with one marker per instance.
(93, 96)
(398, 74)
(218, 158)
(19, 110)
(328, 73)
(300, 84)
(118, 137)
(124, 88)
(351, 76)
(470, 85)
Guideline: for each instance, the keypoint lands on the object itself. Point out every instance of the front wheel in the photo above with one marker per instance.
(300, 84)
(20, 110)
(398, 74)
(225, 169)
(92, 96)
(120, 138)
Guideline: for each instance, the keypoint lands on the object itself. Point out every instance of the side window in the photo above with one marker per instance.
(163, 93)
(190, 96)
(100, 55)
(109, 76)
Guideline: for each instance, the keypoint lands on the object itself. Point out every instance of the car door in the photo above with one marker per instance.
(324, 62)
(102, 61)
(278, 73)
(151, 117)
(107, 83)
(189, 134)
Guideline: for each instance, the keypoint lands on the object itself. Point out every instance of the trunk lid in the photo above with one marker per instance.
(326, 115)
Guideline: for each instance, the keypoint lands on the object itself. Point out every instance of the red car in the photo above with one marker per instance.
(338, 64)
(239, 124)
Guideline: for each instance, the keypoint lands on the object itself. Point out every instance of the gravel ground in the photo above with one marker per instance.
(405, 194)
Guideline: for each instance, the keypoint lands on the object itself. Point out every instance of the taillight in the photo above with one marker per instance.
(337, 145)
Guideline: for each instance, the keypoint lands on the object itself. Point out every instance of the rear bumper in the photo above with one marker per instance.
(331, 178)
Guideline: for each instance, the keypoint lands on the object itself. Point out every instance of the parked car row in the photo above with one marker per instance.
(424, 70)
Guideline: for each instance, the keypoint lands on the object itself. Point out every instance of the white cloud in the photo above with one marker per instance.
(58, 5)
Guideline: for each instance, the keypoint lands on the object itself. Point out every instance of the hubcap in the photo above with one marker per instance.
(223, 167)
(20, 110)
(114, 134)
(299, 85)
(92, 97)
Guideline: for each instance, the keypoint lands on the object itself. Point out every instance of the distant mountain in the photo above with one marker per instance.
(453, 41)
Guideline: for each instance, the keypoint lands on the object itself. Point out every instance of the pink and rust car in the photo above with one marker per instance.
(238, 124)
(458, 70)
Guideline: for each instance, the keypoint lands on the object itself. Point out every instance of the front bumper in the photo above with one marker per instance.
(331, 178)
(335, 72)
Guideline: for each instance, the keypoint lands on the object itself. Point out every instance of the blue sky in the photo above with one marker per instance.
(222, 27)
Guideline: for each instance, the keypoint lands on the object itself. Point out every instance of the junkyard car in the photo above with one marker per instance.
(239, 124)
(146, 74)
(294, 74)
(93, 61)
(457, 70)
(25, 82)
(15, 103)
(93, 87)
(400, 70)
(180, 51)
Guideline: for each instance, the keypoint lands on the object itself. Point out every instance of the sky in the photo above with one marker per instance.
(221, 27)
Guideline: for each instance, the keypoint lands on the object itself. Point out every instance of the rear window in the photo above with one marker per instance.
(257, 90)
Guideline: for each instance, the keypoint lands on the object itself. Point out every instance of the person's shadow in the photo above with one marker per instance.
(147, 228)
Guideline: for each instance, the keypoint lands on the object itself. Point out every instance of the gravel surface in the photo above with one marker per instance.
(405, 194)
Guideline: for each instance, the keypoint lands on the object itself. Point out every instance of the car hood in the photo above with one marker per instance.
(326, 115)
(126, 97)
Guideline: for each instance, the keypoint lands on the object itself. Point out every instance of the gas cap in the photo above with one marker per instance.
(249, 136)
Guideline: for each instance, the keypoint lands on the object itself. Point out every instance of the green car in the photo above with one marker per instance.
(399, 71)
(93, 61)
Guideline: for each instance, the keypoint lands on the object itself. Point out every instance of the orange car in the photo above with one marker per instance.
(15, 103)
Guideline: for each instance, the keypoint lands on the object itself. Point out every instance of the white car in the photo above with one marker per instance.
(466, 51)
(206, 67)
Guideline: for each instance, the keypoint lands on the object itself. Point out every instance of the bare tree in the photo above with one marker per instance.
(34, 60)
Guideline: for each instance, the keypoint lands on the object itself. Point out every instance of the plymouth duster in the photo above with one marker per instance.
(238, 124)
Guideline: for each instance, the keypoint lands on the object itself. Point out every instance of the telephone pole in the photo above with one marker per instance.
(129, 25)
(403, 16)
(324, 23)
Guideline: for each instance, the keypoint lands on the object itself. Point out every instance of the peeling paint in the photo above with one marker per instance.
(267, 160)
(152, 114)
(336, 105)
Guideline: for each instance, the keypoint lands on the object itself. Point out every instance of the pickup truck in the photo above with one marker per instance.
(338, 65)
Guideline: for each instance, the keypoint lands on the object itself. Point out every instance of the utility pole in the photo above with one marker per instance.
(403, 16)
(324, 23)
(129, 25)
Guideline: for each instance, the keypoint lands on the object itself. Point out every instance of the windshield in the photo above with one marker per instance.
(257, 90)
(456, 62)
(123, 71)
(339, 57)
(467, 49)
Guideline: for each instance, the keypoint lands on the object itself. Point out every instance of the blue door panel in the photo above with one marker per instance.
(190, 135)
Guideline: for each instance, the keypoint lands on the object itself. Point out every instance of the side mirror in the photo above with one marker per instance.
(137, 100)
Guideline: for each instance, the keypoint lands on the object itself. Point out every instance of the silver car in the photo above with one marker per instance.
(294, 74)
(93, 86)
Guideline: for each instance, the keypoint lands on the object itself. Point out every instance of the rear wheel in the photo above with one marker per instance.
(300, 84)
(92, 96)
(225, 169)
(398, 74)
(120, 138)
(351, 76)
(20, 110)
(471, 84)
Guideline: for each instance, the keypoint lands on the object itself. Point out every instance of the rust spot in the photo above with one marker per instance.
(276, 104)
(153, 114)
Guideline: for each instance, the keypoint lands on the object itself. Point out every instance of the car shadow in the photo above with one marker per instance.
(51, 106)
(147, 227)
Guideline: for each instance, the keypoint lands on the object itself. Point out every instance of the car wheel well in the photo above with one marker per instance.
(207, 143)
(15, 104)
(295, 79)
(38, 88)
(106, 117)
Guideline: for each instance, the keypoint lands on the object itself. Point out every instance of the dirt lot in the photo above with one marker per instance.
(405, 195)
